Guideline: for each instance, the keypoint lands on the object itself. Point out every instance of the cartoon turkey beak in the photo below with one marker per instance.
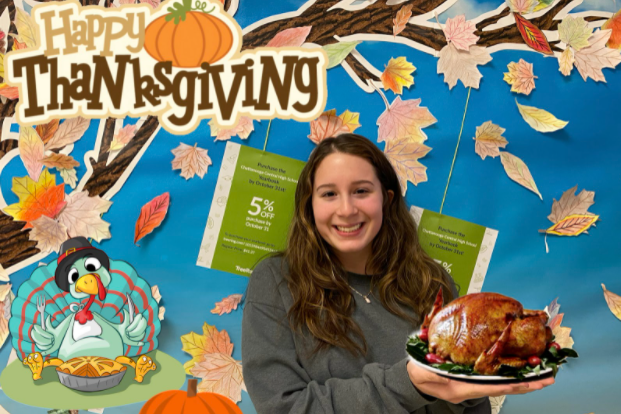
(91, 284)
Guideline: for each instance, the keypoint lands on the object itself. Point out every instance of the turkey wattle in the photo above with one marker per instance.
(486, 330)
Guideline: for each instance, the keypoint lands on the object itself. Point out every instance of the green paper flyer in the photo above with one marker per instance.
(464, 249)
(238, 235)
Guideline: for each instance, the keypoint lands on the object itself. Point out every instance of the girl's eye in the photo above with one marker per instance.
(328, 194)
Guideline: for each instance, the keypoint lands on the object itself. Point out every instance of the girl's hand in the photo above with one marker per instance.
(455, 392)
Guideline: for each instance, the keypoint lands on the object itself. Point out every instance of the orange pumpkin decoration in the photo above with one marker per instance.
(180, 402)
(187, 37)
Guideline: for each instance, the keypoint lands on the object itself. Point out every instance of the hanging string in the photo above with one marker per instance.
(456, 148)
(267, 135)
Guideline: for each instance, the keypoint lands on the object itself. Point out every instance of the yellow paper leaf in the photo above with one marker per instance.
(350, 119)
(31, 151)
(122, 138)
(399, 22)
(518, 172)
(489, 139)
(566, 61)
(403, 155)
(520, 77)
(220, 374)
(573, 225)
(561, 337)
(397, 74)
(539, 119)
(191, 161)
(26, 28)
(575, 32)
(614, 302)
(211, 341)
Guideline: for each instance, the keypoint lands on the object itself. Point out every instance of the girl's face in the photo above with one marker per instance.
(347, 206)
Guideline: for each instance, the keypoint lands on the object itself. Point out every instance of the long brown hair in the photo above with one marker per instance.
(402, 273)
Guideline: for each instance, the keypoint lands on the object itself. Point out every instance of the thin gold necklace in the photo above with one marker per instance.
(366, 297)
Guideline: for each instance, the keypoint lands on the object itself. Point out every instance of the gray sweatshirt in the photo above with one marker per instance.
(282, 377)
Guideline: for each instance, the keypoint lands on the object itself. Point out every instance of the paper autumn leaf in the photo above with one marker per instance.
(227, 304)
(151, 216)
(561, 333)
(17, 45)
(68, 132)
(294, 36)
(4, 275)
(532, 36)
(326, 126)
(350, 120)
(489, 139)
(460, 32)
(48, 233)
(518, 172)
(26, 28)
(403, 155)
(522, 6)
(190, 160)
(566, 61)
(36, 198)
(520, 77)
(6, 298)
(397, 74)
(242, 128)
(571, 204)
(155, 292)
(614, 24)
(461, 65)
(31, 151)
(399, 22)
(542, 5)
(70, 177)
(122, 138)
(404, 120)
(540, 120)
(552, 310)
(572, 225)
(59, 161)
(592, 59)
(160, 313)
(337, 52)
(211, 341)
(9, 92)
(496, 403)
(575, 32)
(614, 302)
(220, 374)
(82, 216)
(47, 131)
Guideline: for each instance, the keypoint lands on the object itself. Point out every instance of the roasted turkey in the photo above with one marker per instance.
(486, 330)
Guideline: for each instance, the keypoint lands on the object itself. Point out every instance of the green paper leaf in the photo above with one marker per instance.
(337, 52)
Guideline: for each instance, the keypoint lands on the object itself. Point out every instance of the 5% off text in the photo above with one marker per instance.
(264, 208)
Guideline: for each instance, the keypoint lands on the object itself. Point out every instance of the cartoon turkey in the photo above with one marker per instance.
(84, 304)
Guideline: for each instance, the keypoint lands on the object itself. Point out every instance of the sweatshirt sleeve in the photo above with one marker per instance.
(278, 383)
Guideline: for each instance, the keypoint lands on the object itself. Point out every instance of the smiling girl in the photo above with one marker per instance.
(326, 321)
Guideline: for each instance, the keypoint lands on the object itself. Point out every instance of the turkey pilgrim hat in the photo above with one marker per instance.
(90, 283)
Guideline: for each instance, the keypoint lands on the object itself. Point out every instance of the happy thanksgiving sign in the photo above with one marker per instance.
(181, 62)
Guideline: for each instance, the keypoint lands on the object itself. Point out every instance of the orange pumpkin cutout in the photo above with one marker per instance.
(180, 402)
(187, 37)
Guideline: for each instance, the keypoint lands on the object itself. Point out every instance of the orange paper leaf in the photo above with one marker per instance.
(60, 161)
(532, 35)
(572, 225)
(294, 37)
(614, 302)
(399, 22)
(397, 74)
(211, 341)
(220, 374)
(122, 138)
(47, 131)
(9, 92)
(190, 160)
(151, 216)
(520, 77)
(227, 304)
(326, 126)
(614, 23)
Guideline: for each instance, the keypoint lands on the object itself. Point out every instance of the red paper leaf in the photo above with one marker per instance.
(151, 216)
(532, 35)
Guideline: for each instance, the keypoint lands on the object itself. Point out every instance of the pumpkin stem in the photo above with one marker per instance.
(178, 10)
(192, 387)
